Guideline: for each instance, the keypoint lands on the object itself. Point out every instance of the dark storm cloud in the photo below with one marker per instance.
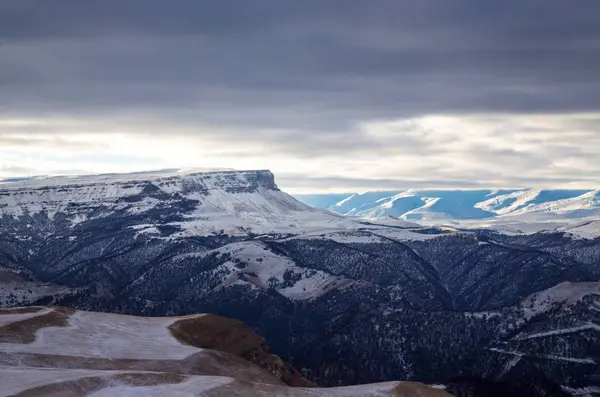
(301, 77)
(351, 59)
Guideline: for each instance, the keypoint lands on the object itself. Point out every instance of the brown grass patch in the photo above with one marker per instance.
(220, 333)
(24, 331)
(84, 386)
(207, 362)
(21, 310)
(413, 389)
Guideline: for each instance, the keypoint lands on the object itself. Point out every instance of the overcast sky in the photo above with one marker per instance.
(331, 95)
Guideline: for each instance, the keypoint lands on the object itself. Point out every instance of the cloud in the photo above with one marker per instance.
(440, 151)
(467, 92)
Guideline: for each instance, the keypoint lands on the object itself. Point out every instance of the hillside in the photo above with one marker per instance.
(61, 352)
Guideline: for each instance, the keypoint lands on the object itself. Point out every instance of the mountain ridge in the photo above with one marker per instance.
(505, 209)
(494, 201)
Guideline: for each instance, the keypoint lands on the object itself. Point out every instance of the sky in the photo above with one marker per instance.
(331, 95)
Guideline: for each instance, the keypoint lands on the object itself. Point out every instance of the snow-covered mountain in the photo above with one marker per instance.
(347, 299)
(468, 207)
(213, 201)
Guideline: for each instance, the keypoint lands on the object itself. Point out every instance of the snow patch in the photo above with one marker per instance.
(254, 263)
(193, 386)
(6, 319)
(566, 294)
(109, 336)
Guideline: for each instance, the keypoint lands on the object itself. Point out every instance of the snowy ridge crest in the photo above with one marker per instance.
(61, 194)
(161, 177)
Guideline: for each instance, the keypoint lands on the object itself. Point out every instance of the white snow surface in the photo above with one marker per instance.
(17, 380)
(505, 203)
(583, 205)
(191, 387)
(562, 331)
(410, 235)
(195, 385)
(375, 234)
(66, 180)
(105, 335)
(585, 230)
(59, 194)
(391, 221)
(518, 355)
(530, 223)
(17, 289)
(566, 294)
(14, 380)
(583, 392)
(262, 266)
(370, 390)
(263, 212)
(520, 211)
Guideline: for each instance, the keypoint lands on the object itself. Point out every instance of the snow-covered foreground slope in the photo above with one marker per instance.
(113, 336)
(59, 352)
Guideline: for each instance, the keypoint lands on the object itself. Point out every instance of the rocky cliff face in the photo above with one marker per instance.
(345, 301)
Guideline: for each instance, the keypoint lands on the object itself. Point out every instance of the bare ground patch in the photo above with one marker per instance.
(84, 386)
(413, 389)
(224, 334)
(24, 331)
(214, 363)
(21, 310)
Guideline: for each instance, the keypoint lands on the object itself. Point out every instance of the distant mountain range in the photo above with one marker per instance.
(457, 206)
